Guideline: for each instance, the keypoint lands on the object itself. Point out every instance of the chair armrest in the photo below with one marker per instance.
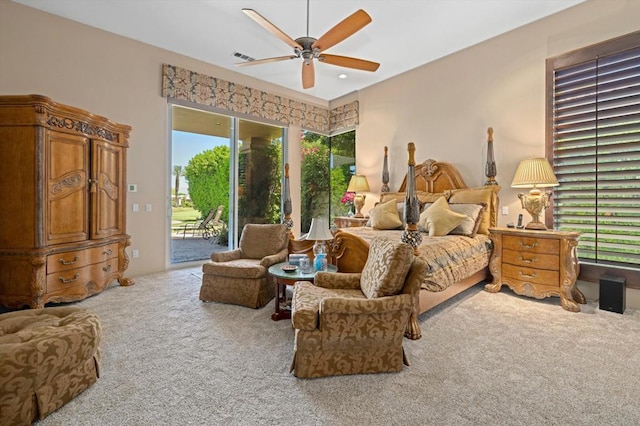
(387, 304)
(364, 322)
(281, 256)
(341, 280)
(226, 256)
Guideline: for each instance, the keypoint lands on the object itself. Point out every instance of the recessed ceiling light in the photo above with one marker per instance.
(342, 76)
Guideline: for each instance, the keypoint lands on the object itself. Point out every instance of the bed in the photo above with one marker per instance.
(456, 262)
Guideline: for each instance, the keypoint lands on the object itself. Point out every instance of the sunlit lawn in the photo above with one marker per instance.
(184, 214)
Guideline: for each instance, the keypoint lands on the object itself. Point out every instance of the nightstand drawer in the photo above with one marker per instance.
(538, 276)
(531, 260)
(531, 244)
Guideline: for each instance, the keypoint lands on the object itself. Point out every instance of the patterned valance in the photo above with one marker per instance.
(183, 84)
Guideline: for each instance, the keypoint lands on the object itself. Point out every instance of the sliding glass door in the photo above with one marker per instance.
(226, 172)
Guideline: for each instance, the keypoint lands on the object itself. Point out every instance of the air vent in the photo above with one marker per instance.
(243, 56)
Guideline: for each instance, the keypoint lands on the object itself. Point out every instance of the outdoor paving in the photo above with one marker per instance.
(192, 249)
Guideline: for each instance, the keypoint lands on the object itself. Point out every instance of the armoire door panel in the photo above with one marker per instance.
(107, 193)
(67, 198)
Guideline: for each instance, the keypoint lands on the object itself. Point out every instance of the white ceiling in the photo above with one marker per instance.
(403, 35)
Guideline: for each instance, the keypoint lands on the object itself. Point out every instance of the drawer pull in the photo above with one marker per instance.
(70, 280)
(529, 246)
(69, 262)
(523, 260)
(527, 275)
(106, 268)
(108, 252)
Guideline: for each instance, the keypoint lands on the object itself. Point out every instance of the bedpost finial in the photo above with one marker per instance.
(490, 134)
(412, 150)
(386, 150)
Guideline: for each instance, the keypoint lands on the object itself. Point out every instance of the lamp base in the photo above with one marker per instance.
(536, 226)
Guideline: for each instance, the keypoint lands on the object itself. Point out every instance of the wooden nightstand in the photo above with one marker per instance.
(537, 264)
(350, 222)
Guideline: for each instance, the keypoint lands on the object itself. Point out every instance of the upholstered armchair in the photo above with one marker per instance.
(352, 323)
(240, 276)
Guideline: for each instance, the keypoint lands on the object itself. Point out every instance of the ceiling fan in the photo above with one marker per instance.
(309, 48)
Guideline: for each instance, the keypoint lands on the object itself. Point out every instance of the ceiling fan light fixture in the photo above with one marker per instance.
(310, 48)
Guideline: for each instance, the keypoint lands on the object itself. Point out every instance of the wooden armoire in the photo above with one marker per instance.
(63, 210)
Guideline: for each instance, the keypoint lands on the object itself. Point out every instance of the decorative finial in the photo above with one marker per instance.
(412, 151)
(490, 169)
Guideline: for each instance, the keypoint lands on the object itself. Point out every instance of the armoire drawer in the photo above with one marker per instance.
(67, 281)
(77, 259)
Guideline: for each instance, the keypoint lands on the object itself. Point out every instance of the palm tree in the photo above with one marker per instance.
(177, 171)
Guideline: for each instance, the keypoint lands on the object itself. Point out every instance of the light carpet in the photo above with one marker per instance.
(484, 358)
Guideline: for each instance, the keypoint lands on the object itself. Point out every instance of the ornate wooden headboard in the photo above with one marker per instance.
(435, 176)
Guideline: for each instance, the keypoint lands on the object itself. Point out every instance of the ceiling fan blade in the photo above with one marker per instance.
(308, 74)
(264, 61)
(348, 62)
(267, 25)
(343, 29)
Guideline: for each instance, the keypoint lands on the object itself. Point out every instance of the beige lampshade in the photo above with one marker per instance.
(358, 183)
(319, 230)
(534, 173)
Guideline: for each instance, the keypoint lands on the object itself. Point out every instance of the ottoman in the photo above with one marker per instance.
(47, 357)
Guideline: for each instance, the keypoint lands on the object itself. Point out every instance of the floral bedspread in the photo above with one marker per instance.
(451, 258)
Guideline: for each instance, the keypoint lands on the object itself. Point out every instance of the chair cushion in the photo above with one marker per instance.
(386, 268)
(306, 303)
(260, 240)
(239, 268)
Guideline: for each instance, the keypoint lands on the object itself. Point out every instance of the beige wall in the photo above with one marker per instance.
(120, 79)
(444, 107)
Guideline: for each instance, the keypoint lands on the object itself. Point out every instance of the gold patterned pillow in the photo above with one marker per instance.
(386, 268)
(483, 194)
(438, 219)
(385, 216)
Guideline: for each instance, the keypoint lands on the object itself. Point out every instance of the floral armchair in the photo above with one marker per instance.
(240, 276)
(352, 323)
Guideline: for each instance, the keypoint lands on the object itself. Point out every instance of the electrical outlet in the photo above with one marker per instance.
(135, 253)
(147, 207)
(505, 210)
(135, 207)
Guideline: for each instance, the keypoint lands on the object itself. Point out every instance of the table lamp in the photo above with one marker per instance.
(358, 184)
(319, 232)
(534, 173)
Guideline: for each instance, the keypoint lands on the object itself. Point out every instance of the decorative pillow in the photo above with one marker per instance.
(385, 216)
(386, 268)
(388, 196)
(400, 208)
(438, 219)
(469, 226)
(423, 196)
(483, 194)
(431, 197)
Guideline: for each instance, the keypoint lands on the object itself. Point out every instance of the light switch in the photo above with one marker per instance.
(135, 207)
(505, 210)
(147, 207)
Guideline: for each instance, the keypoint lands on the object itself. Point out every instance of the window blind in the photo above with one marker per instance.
(596, 155)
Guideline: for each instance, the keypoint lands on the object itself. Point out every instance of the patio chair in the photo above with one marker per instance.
(207, 227)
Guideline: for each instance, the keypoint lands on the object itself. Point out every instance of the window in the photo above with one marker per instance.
(593, 142)
(327, 166)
